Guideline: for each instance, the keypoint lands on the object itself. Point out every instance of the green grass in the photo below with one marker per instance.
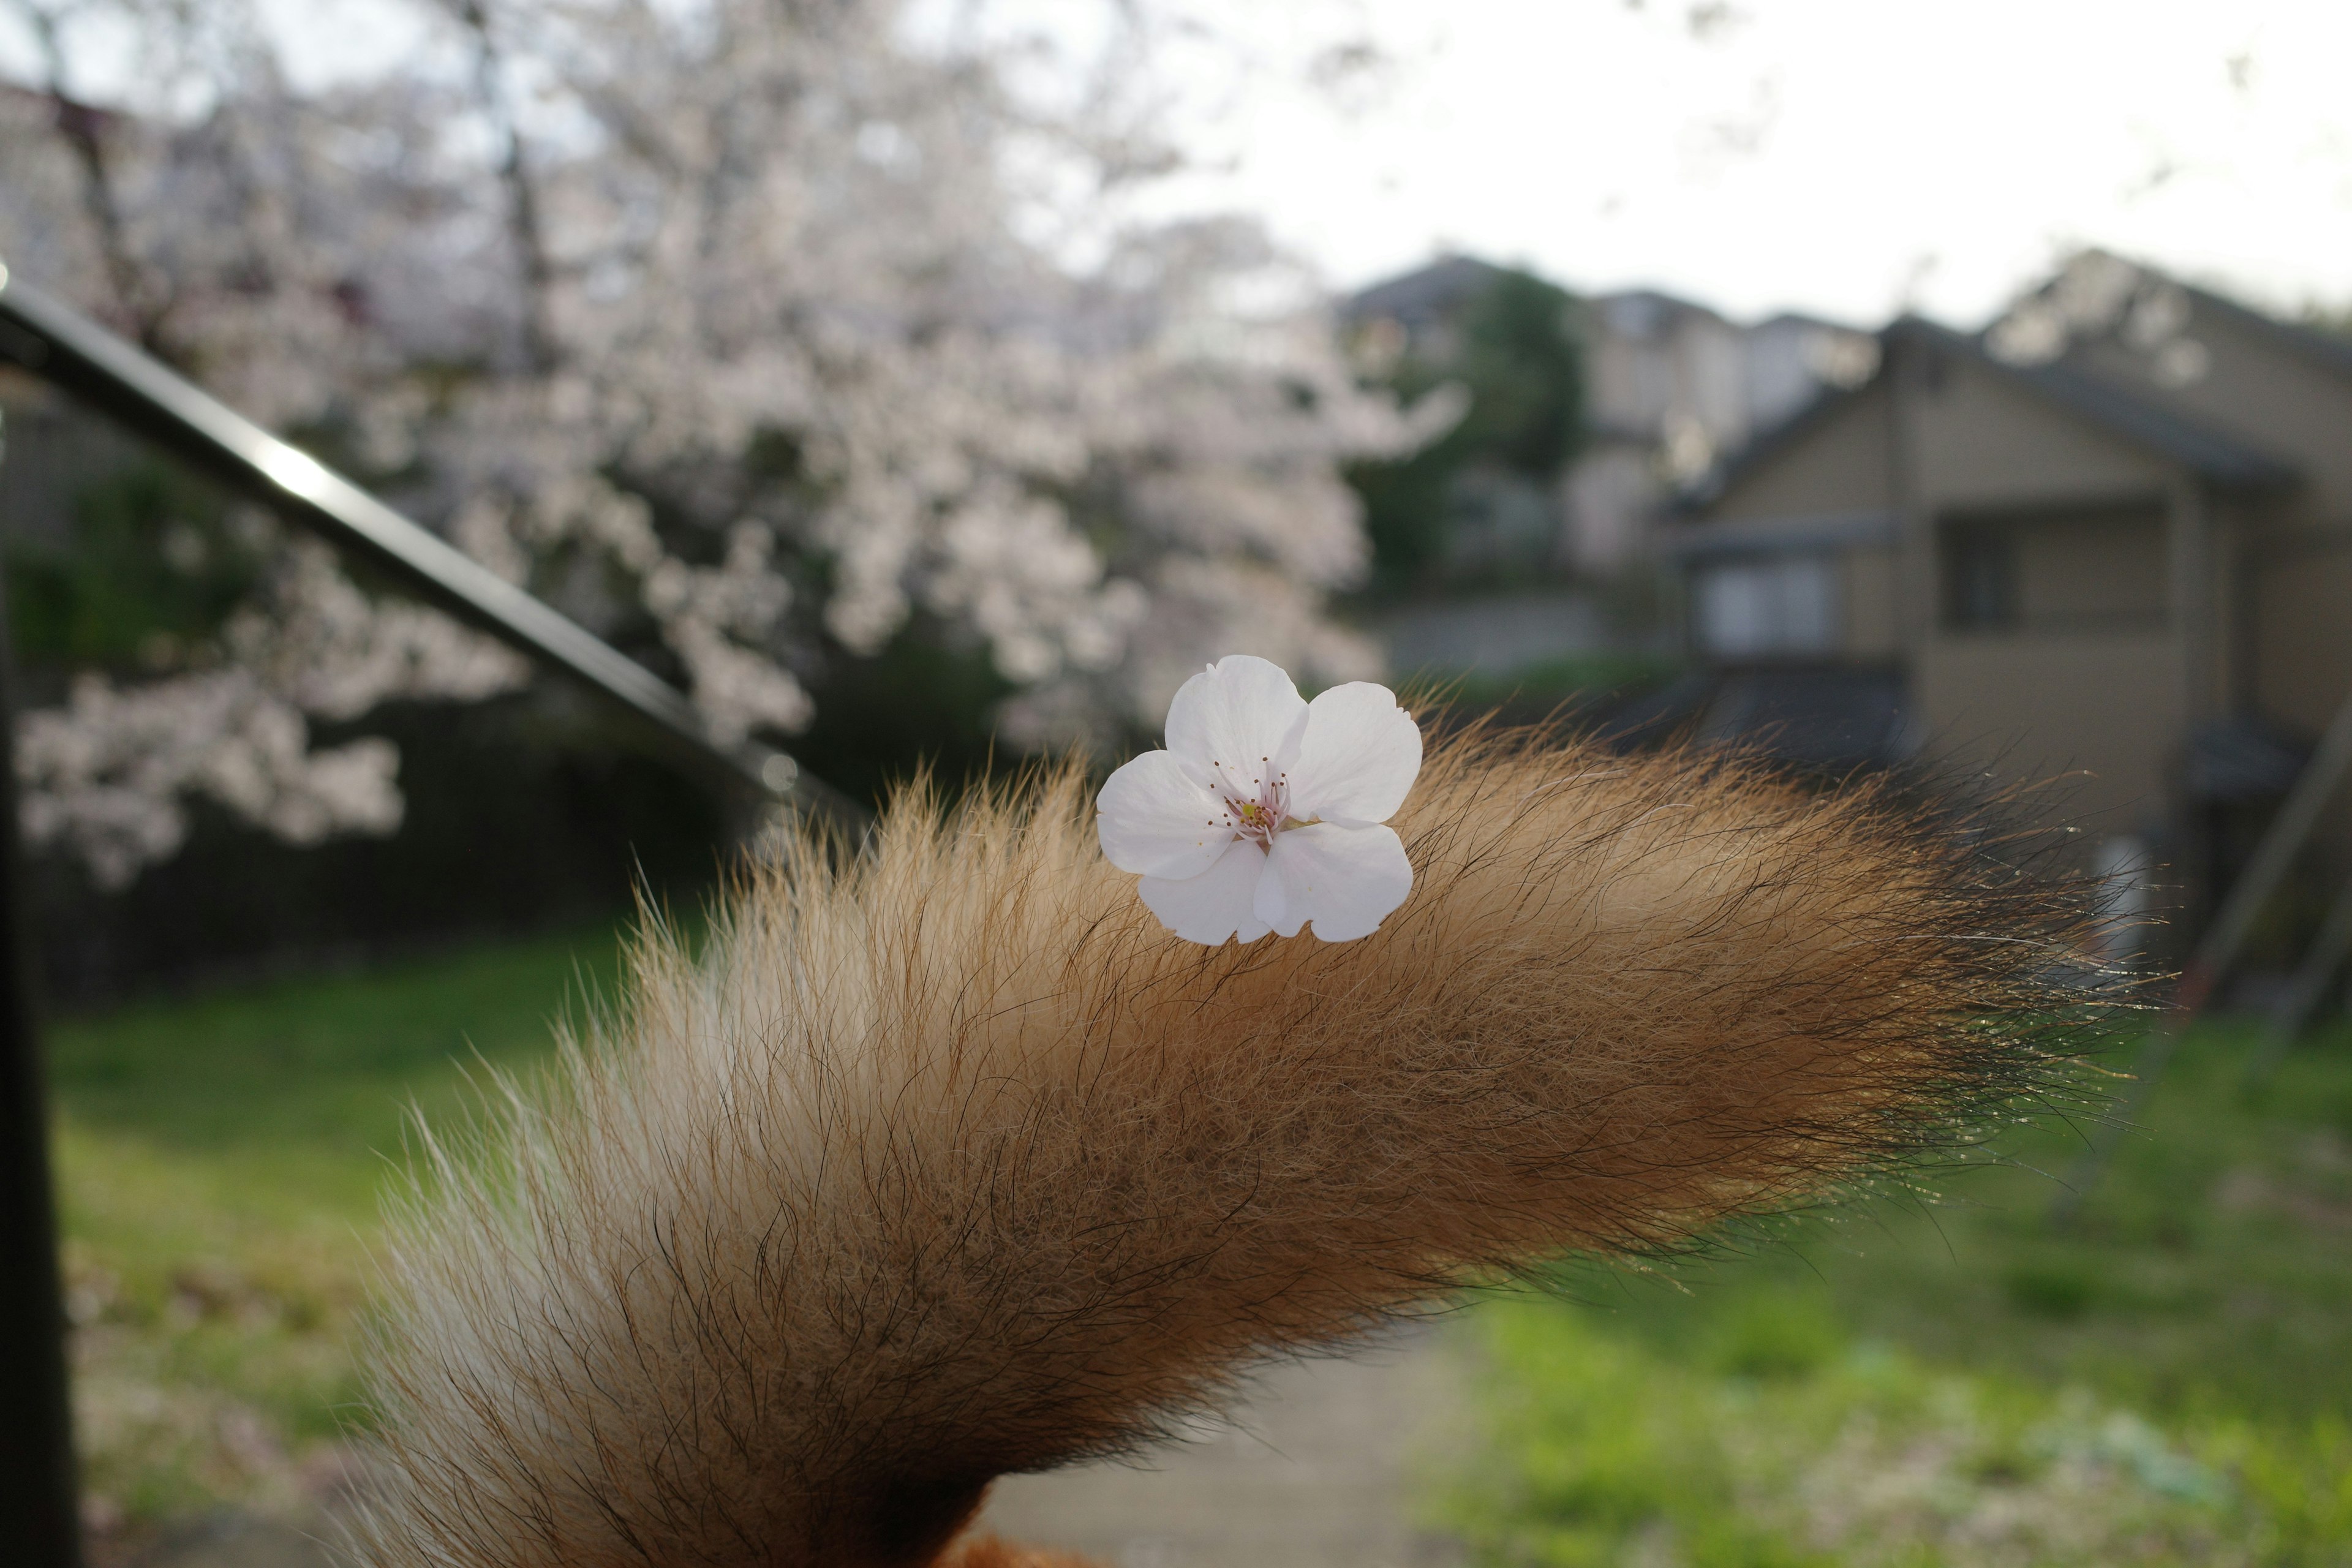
(1957, 1382)
(296, 1084)
(221, 1161)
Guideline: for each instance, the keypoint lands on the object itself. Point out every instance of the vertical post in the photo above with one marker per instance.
(39, 1516)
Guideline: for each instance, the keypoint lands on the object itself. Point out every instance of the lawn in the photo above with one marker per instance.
(1902, 1383)
(220, 1161)
(2168, 1380)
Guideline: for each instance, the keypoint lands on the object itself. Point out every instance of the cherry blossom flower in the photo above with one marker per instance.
(1265, 810)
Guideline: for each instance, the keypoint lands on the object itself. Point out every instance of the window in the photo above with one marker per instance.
(1979, 577)
(1780, 606)
(2071, 571)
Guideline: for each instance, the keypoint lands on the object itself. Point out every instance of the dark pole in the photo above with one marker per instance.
(39, 1517)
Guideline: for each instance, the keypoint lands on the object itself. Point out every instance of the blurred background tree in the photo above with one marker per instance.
(1477, 505)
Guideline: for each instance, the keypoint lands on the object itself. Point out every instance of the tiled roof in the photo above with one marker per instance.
(2218, 456)
(1815, 716)
(2332, 351)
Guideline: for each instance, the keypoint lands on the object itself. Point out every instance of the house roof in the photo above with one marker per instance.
(1425, 293)
(2214, 455)
(1762, 448)
(1819, 717)
(1806, 319)
(1822, 717)
(2330, 351)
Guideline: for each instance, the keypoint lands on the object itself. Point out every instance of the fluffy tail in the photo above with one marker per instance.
(948, 1162)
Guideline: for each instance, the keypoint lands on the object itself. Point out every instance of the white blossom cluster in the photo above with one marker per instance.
(112, 770)
(726, 327)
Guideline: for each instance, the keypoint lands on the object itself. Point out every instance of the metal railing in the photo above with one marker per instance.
(66, 348)
(39, 1505)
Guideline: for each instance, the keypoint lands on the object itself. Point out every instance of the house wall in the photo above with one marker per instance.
(1983, 441)
(2298, 641)
(1606, 500)
(2104, 708)
(1665, 394)
(1650, 359)
(2104, 568)
(2291, 577)
(2100, 570)
(2091, 680)
(1872, 603)
(1840, 465)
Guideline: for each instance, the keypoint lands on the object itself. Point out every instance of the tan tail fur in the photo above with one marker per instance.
(946, 1161)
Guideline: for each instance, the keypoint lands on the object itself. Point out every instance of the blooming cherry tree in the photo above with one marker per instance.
(727, 327)
(1266, 811)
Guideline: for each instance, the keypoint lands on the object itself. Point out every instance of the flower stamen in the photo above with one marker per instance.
(1259, 820)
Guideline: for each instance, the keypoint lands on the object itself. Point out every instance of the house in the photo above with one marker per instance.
(1669, 385)
(2112, 537)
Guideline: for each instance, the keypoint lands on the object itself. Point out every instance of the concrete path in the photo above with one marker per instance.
(225, 1540)
(1322, 1467)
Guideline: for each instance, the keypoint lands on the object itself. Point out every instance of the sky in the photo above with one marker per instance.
(1846, 157)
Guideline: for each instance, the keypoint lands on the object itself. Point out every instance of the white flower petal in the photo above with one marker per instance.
(1345, 880)
(1233, 717)
(1217, 903)
(1153, 816)
(1358, 757)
